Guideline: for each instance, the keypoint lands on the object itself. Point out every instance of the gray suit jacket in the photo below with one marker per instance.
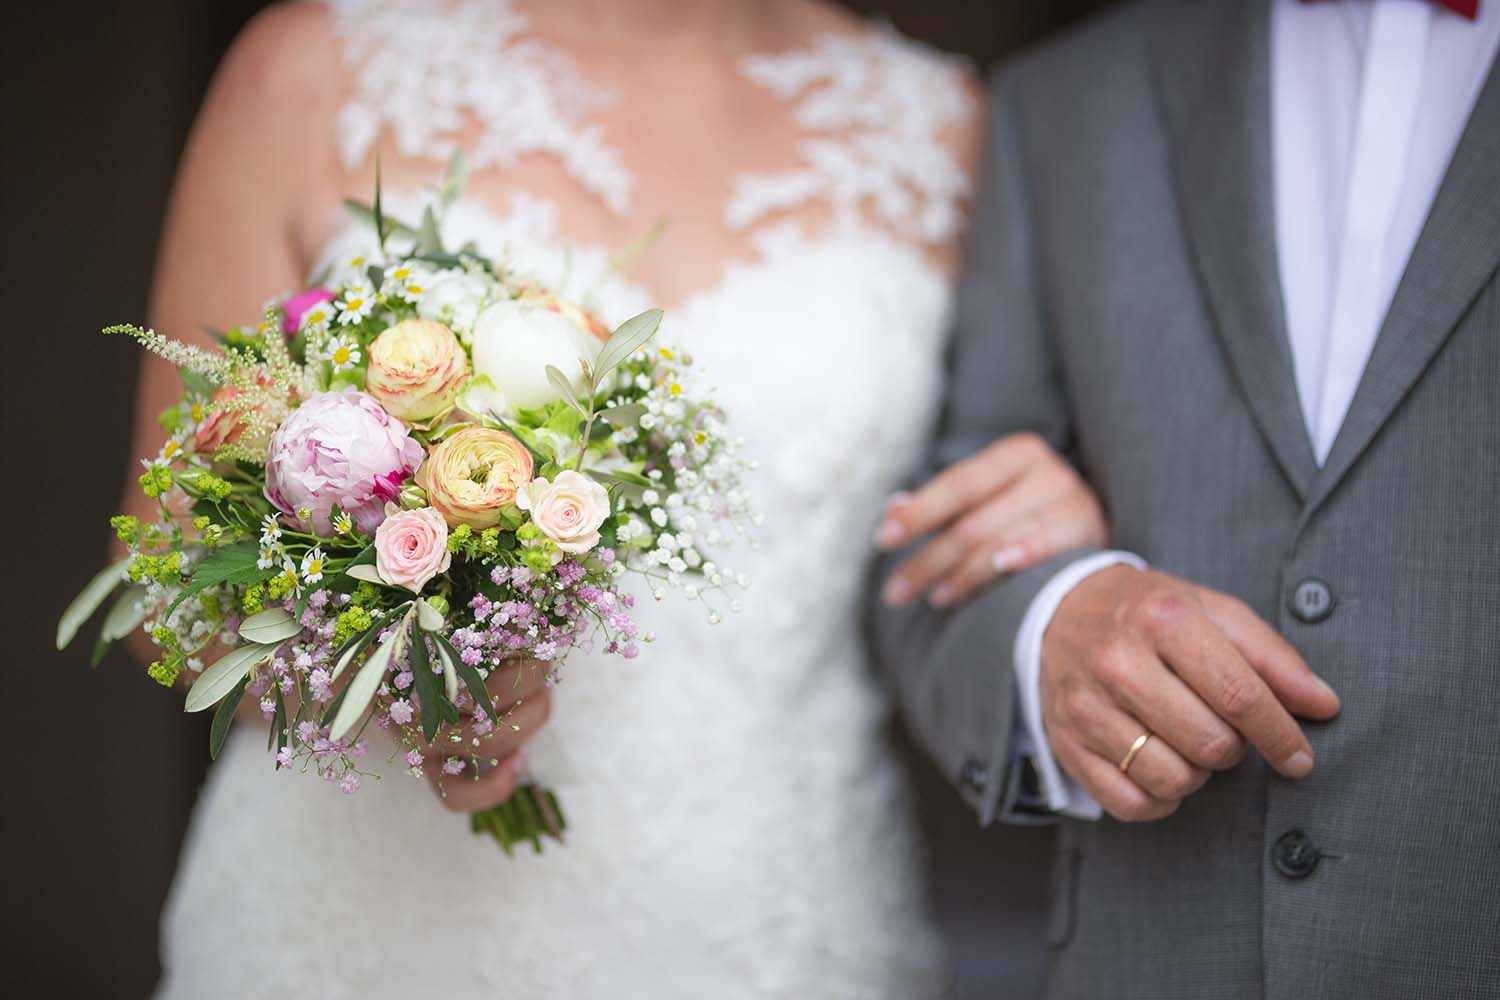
(1122, 299)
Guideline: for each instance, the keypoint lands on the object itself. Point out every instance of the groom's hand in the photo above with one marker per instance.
(1133, 651)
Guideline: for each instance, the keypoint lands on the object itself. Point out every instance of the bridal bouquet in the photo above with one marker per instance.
(392, 486)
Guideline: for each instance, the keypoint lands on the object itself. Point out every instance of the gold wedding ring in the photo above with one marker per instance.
(1135, 748)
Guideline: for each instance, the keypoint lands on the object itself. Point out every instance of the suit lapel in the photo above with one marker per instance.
(1211, 62)
(1455, 256)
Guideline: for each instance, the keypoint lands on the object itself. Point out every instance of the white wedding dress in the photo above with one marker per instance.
(737, 826)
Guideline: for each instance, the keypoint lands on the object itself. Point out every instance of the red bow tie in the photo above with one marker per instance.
(1463, 8)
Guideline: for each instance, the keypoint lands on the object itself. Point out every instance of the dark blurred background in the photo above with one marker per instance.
(105, 767)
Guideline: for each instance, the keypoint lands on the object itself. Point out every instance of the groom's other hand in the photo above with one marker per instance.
(1137, 651)
(1004, 509)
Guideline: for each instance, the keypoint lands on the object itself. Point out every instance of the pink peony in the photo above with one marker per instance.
(411, 547)
(298, 305)
(339, 449)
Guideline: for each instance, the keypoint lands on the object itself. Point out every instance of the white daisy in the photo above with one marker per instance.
(172, 448)
(312, 566)
(356, 303)
(343, 523)
(343, 351)
(317, 318)
(270, 530)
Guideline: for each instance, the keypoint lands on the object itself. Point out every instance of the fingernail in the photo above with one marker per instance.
(897, 591)
(518, 761)
(899, 497)
(890, 533)
(1006, 559)
(942, 595)
(1327, 688)
(1299, 764)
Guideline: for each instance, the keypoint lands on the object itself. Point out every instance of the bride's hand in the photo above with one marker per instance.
(523, 702)
(1008, 507)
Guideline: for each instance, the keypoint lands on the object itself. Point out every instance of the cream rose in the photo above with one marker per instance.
(411, 547)
(416, 368)
(569, 511)
(473, 476)
(515, 341)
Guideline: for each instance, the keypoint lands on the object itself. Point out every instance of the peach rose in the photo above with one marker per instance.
(415, 369)
(411, 547)
(473, 476)
(226, 425)
(569, 511)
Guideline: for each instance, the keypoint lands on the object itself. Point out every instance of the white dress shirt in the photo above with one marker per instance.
(1368, 100)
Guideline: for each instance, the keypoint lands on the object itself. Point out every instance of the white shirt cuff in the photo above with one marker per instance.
(1061, 793)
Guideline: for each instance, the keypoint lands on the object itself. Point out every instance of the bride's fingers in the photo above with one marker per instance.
(955, 544)
(956, 489)
(1023, 542)
(519, 721)
(472, 791)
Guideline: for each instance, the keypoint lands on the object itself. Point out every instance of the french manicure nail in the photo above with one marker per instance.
(1299, 764)
(890, 533)
(899, 497)
(1006, 559)
(941, 596)
(897, 591)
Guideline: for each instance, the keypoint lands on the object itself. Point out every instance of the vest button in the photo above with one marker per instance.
(1311, 601)
(1295, 855)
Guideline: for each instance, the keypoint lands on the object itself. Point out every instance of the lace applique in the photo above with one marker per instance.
(877, 104)
(428, 73)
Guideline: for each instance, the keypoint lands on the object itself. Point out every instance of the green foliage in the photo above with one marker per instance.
(156, 480)
(233, 564)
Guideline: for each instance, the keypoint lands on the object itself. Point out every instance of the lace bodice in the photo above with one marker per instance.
(737, 830)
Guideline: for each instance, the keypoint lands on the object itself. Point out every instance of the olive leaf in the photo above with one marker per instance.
(427, 689)
(361, 690)
(367, 573)
(125, 615)
(624, 415)
(219, 679)
(469, 675)
(88, 600)
(271, 626)
(564, 388)
(218, 731)
(429, 240)
(454, 179)
(629, 336)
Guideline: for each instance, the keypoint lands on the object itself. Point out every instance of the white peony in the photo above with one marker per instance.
(453, 298)
(514, 342)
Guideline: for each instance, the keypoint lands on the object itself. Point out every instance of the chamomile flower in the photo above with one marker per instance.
(317, 317)
(343, 351)
(343, 523)
(356, 303)
(405, 281)
(172, 448)
(270, 530)
(312, 565)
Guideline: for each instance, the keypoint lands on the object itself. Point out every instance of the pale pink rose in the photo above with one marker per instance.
(569, 511)
(411, 547)
(339, 449)
(298, 305)
(416, 368)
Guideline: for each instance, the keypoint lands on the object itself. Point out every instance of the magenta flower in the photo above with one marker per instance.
(298, 305)
(339, 449)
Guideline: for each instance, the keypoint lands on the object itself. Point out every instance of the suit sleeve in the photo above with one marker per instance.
(953, 670)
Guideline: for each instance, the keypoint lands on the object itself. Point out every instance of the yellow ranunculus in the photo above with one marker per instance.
(416, 368)
(474, 475)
